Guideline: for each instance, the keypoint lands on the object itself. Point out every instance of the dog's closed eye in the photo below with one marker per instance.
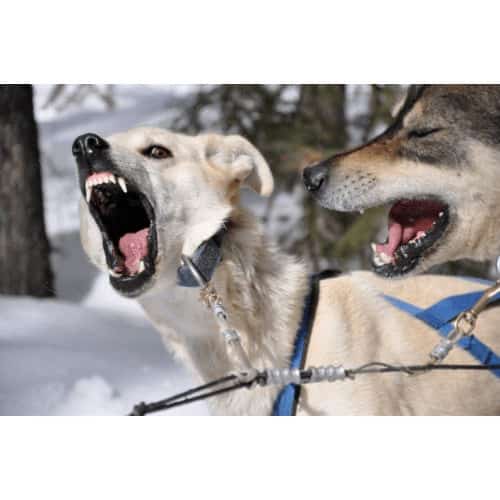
(422, 132)
(157, 152)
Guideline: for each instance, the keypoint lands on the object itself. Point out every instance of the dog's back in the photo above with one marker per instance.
(355, 325)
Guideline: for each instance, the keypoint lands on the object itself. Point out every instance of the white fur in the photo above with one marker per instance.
(197, 191)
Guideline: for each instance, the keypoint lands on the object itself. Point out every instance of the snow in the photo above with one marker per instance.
(61, 358)
(90, 351)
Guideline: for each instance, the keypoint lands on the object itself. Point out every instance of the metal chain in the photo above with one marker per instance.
(280, 377)
(212, 300)
(464, 325)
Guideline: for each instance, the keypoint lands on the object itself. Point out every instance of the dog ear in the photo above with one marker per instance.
(242, 161)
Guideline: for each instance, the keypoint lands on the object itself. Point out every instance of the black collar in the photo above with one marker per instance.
(205, 258)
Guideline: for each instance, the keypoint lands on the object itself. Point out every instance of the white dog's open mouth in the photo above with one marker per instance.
(126, 220)
(414, 229)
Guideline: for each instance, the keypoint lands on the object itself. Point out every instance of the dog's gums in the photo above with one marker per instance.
(414, 228)
(126, 220)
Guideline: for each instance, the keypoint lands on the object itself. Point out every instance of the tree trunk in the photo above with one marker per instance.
(24, 248)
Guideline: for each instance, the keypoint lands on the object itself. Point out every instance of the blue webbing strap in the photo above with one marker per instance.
(440, 315)
(286, 402)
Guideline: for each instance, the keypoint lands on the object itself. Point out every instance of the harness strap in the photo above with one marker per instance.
(285, 404)
(440, 316)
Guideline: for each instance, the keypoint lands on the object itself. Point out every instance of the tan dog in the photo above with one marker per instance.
(438, 166)
(149, 195)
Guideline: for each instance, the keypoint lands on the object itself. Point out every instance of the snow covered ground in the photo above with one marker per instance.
(88, 352)
(63, 358)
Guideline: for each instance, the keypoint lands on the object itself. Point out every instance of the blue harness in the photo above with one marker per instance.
(439, 316)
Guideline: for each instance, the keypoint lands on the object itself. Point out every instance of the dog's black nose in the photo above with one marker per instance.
(314, 176)
(88, 145)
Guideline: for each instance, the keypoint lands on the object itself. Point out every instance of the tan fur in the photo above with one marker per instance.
(355, 325)
(465, 177)
(472, 194)
(264, 290)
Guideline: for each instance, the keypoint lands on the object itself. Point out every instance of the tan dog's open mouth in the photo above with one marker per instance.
(122, 212)
(126, 220)
(415, 228)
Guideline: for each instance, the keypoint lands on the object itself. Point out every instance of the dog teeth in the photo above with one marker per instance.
(122, 184)
(101, 178)
(440, 214)
(114, 273)
(361, 211)
(142, 267)
(380, 258)
(419, 236)
(386, 259)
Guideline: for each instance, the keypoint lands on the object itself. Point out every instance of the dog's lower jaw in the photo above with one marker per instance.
(263, 291)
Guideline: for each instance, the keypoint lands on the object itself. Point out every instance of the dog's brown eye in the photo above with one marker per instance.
(422, 132)
(158, 152)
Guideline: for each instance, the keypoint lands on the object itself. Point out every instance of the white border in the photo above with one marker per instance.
(225, 41)
(248, 458)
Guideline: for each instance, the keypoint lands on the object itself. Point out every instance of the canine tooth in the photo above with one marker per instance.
(374, 248)
(142, 267)
(114, 274)
(361, 211)
(88, 192)
(386, 259)
(440, 214)
(377, 260)
(123, 185)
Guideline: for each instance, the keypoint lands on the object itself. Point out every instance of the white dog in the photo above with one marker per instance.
(149, 196)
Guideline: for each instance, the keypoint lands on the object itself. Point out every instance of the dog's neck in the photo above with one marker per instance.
(263, 291)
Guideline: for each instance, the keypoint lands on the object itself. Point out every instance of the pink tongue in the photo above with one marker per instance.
(134, 247)
(395, 236)
(399, 235)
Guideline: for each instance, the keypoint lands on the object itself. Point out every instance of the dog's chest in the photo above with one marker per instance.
(181, 311)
